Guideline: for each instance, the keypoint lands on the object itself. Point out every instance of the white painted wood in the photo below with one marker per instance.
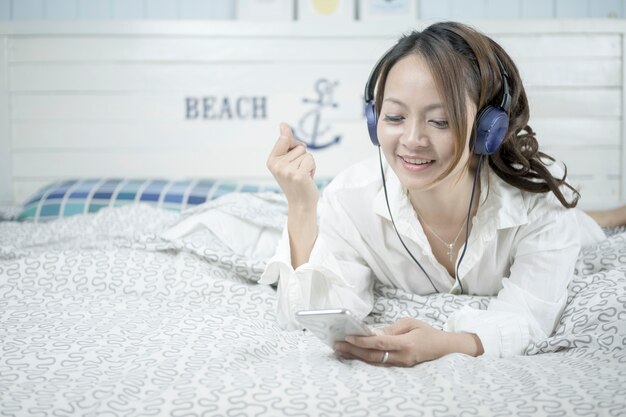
(6, 171)
(236, 79)
(532, 46)
(301, 29)
(597, 194)
(197, 49)
(42, 136)
(571, 132)
(576, 102)
(574, 73)
(227, 160)
(598, 162)
(203, 49)
(23, 189)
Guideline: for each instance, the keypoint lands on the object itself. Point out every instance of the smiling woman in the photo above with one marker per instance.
(439, 103)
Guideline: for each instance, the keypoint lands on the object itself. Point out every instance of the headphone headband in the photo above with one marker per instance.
(373, 77)
(505, 104)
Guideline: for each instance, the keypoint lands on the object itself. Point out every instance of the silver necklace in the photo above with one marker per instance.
(449, 246)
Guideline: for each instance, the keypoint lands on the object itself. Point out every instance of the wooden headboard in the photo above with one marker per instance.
(204, 99)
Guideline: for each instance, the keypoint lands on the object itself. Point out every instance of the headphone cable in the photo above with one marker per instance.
(382, 173)
(469, 213)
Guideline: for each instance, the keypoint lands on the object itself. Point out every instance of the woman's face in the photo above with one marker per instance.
(413, 126)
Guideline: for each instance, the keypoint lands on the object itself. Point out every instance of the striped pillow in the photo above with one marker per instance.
(71, 197)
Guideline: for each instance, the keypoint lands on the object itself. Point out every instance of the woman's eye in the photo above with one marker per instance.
(440, 124)
(393, 119)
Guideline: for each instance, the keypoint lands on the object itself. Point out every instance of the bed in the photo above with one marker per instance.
(103, 314)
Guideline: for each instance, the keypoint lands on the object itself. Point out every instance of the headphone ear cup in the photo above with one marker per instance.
(491, 127)
(372, 122)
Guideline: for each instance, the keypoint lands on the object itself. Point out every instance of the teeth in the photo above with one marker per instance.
(416, 161)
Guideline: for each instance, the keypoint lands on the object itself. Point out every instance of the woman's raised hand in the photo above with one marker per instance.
(294, 169)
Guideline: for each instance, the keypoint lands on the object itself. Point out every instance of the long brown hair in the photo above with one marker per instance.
(464, 63)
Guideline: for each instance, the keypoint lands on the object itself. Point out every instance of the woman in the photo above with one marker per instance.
(440, 220)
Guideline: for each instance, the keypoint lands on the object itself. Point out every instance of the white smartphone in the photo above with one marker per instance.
(333, 325)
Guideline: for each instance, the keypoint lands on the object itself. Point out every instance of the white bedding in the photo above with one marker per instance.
(108, 315)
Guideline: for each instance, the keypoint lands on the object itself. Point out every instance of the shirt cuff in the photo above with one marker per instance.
(321, 260)
(501, 333)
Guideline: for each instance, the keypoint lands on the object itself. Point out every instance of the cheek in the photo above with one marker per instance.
(388, 134)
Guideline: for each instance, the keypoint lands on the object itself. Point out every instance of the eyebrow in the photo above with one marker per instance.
(430, 107)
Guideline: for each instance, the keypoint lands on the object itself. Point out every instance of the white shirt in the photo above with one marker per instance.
(522, 248)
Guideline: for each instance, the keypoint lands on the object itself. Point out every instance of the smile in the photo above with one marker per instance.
(416, 161)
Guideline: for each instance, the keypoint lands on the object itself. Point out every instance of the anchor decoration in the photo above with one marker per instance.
(310, 129)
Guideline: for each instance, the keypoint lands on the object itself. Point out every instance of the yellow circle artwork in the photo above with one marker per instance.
(325, 7)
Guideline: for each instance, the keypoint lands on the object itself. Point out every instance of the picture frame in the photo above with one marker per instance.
(265, 10)
(326, 10)
(386, 10)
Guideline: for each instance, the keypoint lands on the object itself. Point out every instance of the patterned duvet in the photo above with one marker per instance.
(102, 315)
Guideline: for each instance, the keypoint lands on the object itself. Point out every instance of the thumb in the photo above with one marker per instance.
(286, 132)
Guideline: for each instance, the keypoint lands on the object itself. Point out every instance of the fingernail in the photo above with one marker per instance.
(350, 339)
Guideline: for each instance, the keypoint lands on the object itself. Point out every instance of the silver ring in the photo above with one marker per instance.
(385, 357)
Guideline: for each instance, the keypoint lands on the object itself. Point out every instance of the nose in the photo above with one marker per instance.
(415, 137)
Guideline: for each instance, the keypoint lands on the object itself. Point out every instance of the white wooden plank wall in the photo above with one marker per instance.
(85, 104)
(19, 10)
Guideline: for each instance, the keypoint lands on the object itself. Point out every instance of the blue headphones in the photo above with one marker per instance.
(492, 122)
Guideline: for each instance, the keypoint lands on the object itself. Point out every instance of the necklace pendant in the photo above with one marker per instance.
(450, 248)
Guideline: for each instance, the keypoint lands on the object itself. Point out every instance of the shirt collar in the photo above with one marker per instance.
(501, 205)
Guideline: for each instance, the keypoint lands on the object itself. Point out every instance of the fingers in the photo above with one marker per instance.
(295, 153)
(307, 164)
(402, 326)
(374, 342)
(350, 351)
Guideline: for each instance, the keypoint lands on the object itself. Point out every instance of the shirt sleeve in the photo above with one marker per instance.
(533, 297)
(335, 276)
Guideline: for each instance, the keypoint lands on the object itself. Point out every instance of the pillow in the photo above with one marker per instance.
(71, 197)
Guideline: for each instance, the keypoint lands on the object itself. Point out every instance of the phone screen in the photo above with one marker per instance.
(333, 325)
